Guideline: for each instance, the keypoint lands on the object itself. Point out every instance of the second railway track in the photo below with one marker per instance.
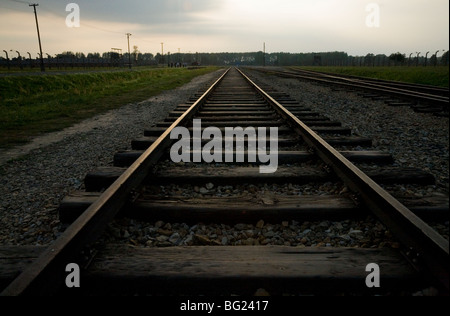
(322, 184)
(421, 98)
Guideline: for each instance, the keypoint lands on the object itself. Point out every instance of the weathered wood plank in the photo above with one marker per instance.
(145, 142)
(434, 208)
(239, 175)
(241, 270)
(157, 131)
(99, 179)
(378, 157)
(102, 177)
(221, 209)
(208, 113)
(246, 209)
(256, 122)
(235, 104)
(14, 259)
(299, 112)
(126, 158)
(348, 141)
(285, 175)
(236, 101)
(232, 122)
(74, 204)
(332, 130)
(402, 176)
(232, 108)
(210, 120)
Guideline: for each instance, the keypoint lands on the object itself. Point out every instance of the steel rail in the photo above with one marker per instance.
(47, 273)
(361, 82)
(428, 247)
(414, 96)
(437, 91)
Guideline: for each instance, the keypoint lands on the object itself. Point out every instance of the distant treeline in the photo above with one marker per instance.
(116, 59)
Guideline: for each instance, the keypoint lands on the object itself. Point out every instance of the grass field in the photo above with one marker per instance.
(434, 76)
(33, 105)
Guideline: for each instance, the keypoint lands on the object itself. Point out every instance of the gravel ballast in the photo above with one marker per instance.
(33, 186)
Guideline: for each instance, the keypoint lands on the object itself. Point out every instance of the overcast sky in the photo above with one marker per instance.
(357, 27)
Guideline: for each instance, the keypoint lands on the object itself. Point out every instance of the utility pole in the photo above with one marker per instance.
(162, 52)
(39, 36)
(129, 53)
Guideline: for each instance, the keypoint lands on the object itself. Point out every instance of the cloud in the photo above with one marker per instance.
(145, 12)
(231, 25)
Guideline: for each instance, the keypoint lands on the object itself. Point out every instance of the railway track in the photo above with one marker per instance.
(421, 98)
(237, 135)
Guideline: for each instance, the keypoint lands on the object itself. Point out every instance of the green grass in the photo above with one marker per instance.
(434, 76)
(55, 70)
(33, 105)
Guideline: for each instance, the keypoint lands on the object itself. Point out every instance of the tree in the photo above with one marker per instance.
(80, 55)
(94, 55)
(370, 59)
(398, 58)
(66, 54)
(147, 57)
